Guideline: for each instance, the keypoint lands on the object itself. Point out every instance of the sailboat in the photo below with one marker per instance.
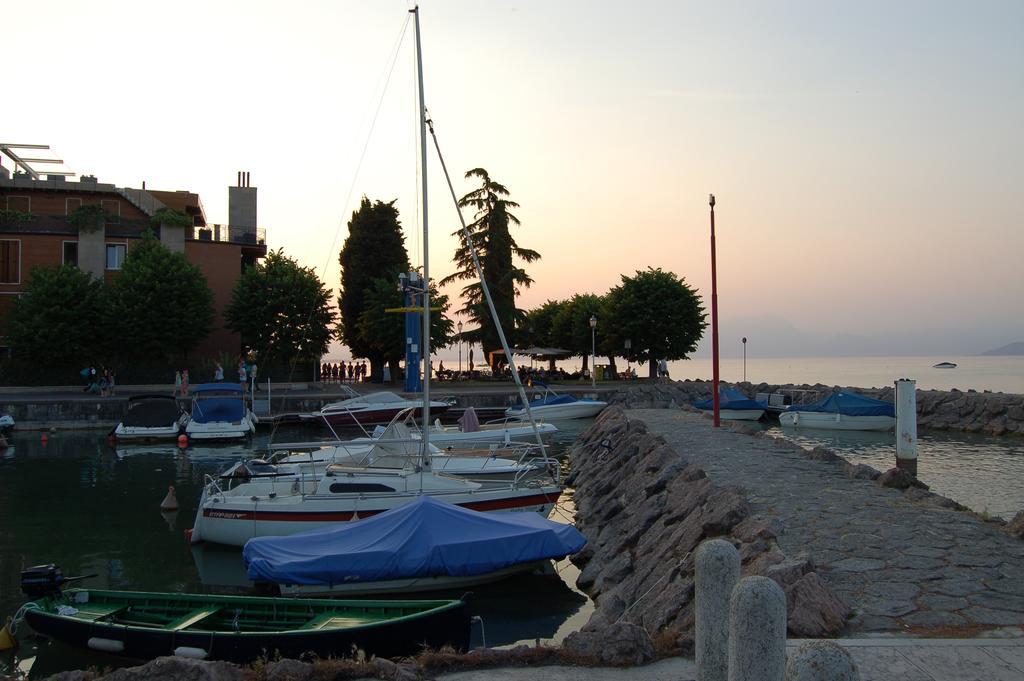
(341, 492)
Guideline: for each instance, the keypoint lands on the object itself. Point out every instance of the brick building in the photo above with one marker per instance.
(35, 230)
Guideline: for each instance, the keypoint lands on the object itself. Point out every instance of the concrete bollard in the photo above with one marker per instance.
(906, 425)
(717, 566)
(757, 631)
(821, 661)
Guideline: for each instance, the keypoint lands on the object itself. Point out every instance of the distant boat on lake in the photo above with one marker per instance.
(944, 365)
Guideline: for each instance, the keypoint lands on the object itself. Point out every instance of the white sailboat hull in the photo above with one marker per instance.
(488, 434)
(222, 430)
(829, 421)
(581, 409)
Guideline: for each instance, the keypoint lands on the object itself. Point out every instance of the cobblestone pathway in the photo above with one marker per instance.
(901, 565)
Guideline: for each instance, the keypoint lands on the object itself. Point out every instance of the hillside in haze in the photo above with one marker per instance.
(1008, 349)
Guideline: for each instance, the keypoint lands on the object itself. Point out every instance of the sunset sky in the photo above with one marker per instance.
(866, 157)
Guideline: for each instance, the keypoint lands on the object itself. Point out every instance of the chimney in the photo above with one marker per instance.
(242, 205)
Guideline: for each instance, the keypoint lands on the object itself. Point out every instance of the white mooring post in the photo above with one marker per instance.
(717, 566)
(757, 631)
(906, 425)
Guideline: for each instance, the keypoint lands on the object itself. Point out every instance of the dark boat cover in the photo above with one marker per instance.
(151, 411)
(424, 538)
(731, 398)
(849, 404)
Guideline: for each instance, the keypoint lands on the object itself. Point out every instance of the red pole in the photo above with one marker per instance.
(714, 318)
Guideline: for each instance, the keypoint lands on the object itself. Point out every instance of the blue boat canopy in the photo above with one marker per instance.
(424, 538)
(217, 387)
(731, 398)
(849, 404)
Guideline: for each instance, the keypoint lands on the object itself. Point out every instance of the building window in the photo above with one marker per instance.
(112, 206)
(70, 253)
(10, 261)
(20, 203)
(115, 256)
(71, 205)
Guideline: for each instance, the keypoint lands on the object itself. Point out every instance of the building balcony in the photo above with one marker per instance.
(123, 227)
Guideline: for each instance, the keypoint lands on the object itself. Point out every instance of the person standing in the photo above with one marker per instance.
(218, 373)
(177, 383)
(242, 376)
(341, 370)
(252, 376)
(184, 382)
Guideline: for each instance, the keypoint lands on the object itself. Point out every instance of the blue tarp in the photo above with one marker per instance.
(849, 404)
(731, 398)
(424, 538)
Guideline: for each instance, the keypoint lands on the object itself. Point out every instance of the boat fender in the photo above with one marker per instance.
(189, 651)
(170, 502)
(106, 645)
(7, 640)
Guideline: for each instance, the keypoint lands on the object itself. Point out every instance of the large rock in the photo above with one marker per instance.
(1016, 525)
(620, 644)
(813, 610)
(179, 669)
(287, 670)
(899, 478)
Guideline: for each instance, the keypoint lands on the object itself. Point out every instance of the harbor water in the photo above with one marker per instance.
(93, 509)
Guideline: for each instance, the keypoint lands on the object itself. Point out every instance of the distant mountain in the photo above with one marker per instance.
(1009, 349)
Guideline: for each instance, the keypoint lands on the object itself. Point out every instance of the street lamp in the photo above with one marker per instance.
(593, 352)
(744, 359)
(459, 327)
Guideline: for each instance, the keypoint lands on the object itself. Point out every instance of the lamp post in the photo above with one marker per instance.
(593, 352)
(714, 320)
(459, 327)
(744, 359)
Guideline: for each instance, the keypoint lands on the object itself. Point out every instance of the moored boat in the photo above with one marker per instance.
(842, 410)
(944, 365)
(377, 408)
(425, 545)
(152, 417)
(219, 412)
(552, 406)
(734, 405)
(145, 625)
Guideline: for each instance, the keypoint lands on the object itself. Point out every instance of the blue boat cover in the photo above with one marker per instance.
(731, 398)
(217, 387)
(849, 404)
(423, 538)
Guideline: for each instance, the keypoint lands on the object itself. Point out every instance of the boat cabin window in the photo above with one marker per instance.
(358, 487)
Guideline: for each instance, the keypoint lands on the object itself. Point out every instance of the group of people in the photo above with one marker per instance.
(181, 383)
(246, 372)
(353, 371)
(98, 383)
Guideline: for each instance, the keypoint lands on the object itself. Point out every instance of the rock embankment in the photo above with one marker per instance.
(971, 411)
(644, 509)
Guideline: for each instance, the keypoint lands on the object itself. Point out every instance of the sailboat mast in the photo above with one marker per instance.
(425, 454)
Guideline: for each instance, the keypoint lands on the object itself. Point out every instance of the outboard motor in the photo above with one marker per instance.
(40, 581)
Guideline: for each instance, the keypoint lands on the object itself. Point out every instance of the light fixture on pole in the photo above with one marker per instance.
(593, 352)
(744, 359)
(459, 326)
(714, 321)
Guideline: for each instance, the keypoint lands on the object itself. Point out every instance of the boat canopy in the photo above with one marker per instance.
(151, 411)
(849, 404)
(731, 398)
(424, 538)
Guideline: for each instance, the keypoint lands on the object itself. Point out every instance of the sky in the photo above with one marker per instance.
(865, 157)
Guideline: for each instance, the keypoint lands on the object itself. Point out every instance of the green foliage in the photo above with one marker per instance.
(11, 218)
(89, 218)
(282, 310)
(163, 304)
(537, 328)
(171, 218)
(495, 248)
(386, 330)
(571, 325)
(61, 319)
(658, 312)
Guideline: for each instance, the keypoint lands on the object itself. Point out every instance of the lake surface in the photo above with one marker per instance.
(94, 509)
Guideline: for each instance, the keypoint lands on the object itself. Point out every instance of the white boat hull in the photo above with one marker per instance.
(408, 585)
(222, 430)
(582, 409)
(829, 421)
(133, 433)
(488, 434)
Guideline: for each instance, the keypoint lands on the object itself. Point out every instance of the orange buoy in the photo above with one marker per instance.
(170, 502)
(45, 438)
(183, 440)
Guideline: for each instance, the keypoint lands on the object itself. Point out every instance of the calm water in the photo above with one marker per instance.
(981, 472)
(94, 509)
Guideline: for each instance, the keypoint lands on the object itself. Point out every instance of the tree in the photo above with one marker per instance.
(537, 329)
(282, 310)
(374, 249)
(658, 311)
(89, 218)
(163, 304)
(61, 318)
(386, 330)
(495, 248)
(571, 326)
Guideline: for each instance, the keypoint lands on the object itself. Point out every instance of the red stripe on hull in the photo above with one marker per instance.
(343, 516)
